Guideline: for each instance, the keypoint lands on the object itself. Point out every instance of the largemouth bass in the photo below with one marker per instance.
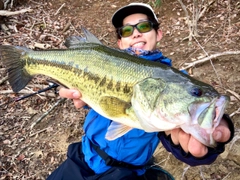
(132, 92)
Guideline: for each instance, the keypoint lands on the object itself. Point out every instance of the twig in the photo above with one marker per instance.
(4, 28)
(66, 27)
(162, 161)
(31, 28)
(27, 92)
(220, 82)
(3, 80)
(6, 37)
(226, 176)
(189, 65)
(59, 9)
(47, 112)
(234, 94)
(42, 130)
(36, 2)
(197, 12)
(102, 38)
(75, 29)
(44, 22)
(184, 171)
(205, 8)
(235, 112)
(235, 138)
(41, 46)
(188, 20)
(7, 2)
(201, 172)
(206, 41)
(45, 34)
(229, 18)
(12, 13)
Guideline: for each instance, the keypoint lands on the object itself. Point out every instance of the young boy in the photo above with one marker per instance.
(129, 157)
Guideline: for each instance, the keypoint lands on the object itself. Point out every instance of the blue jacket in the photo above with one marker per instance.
(136, 147)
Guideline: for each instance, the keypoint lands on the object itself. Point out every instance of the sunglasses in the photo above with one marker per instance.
(142, 27)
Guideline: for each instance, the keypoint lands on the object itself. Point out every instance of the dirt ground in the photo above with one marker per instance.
(30, 150)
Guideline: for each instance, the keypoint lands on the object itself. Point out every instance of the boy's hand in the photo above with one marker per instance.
(196, 148)
(73, 94)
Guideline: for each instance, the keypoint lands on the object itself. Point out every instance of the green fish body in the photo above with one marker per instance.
(132, 92)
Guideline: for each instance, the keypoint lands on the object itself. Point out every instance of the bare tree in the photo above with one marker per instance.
(193, 15)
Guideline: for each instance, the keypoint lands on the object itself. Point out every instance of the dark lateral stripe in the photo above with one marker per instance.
(103, 81)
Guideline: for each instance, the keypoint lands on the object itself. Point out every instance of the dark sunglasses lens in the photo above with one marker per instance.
(144, 27)
(126, 31)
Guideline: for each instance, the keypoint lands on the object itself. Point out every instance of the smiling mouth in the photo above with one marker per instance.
(139, 44)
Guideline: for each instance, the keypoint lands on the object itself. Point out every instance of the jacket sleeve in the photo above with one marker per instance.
(189, 159)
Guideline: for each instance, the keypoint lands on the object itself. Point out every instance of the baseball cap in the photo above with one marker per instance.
(132, 8)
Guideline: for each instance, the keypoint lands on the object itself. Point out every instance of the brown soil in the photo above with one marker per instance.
(33, 153)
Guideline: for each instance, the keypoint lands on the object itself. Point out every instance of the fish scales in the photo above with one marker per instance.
(87, 68)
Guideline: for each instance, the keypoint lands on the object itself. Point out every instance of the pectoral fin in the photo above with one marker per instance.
(113, 107)
(116, 130)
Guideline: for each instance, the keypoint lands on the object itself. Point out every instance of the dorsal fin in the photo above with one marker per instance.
(77, 41)
(90, 37)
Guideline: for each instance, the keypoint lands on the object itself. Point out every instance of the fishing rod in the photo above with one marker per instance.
(51, 85)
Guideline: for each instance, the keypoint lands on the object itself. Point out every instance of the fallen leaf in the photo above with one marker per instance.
(7, 141)
(20, 157)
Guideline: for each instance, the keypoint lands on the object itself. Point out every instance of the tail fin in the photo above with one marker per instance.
(18, 77)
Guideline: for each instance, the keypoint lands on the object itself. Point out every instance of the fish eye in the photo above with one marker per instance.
(197, 92)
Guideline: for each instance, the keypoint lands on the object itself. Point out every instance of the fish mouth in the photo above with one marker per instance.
(205, 117)
(208, 115)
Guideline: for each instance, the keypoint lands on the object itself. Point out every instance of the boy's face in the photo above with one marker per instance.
(145, 41)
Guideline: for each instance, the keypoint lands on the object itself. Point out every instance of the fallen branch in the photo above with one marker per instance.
(184, 171)
(235, 112)
(234, 94)
(59, 9)
(4, 28)
(67, 26)
(3, 80)
(12, 13)
(38, 132)
(47, 112)
(189, 65)
(27, 92)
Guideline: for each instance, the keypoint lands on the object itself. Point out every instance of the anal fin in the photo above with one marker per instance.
(116, 130)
